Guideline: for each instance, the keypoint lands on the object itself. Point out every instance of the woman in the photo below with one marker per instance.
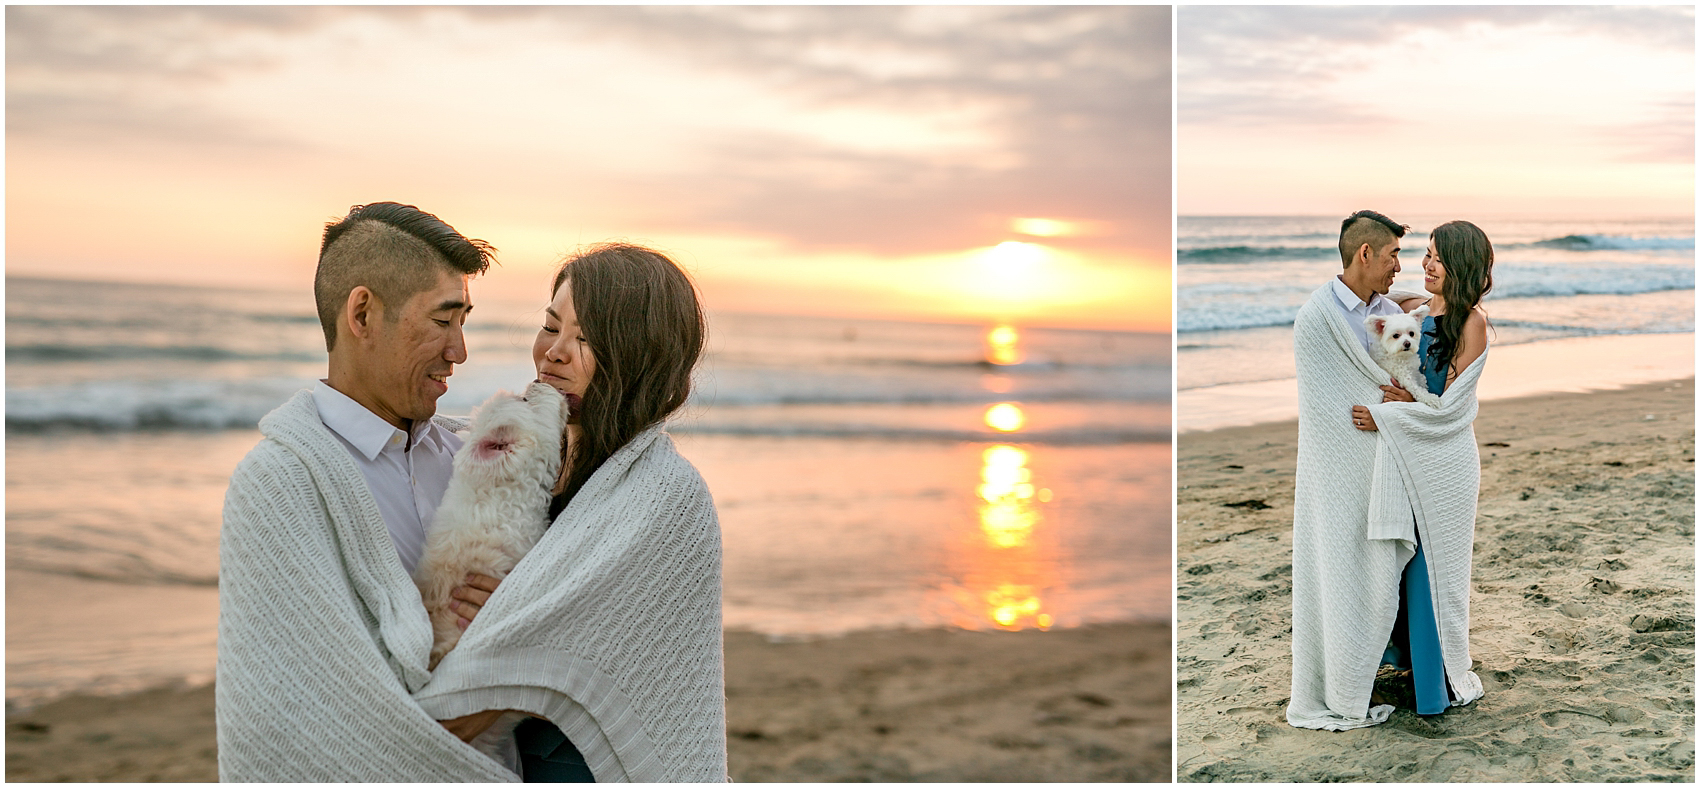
(1457, 272)
(625, 623)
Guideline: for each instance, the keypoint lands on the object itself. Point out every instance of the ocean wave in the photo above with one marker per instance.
(1253, 254)
(755, 386)
(125, 406)
(1230, 319)
(1588, 242)
(157, 405)
(1230, 310)
(50, 353)
(1080, 436)
(1226, 306)
(1530, 281)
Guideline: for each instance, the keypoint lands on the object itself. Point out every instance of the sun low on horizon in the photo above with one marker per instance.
(872, 162)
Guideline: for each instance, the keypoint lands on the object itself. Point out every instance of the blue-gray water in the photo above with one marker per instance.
(1241, 280)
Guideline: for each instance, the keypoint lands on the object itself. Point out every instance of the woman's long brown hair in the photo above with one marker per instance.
(644, 323)
(1467, 256)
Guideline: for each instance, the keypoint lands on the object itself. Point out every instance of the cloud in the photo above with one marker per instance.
(1228, 33)
(174, 43)
(1071, 104)
(118, 121)
(1086, 92)
(1665, 135)
(1269, 65)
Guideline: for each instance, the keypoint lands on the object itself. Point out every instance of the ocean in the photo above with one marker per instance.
(859, 480)
(1604, 288)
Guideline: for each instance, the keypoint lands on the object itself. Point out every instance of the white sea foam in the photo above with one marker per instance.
(1225, 305)
(86, 356)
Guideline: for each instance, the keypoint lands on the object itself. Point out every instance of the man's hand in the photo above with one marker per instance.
(1396, 393)
(468, 727)
(1361, 418)
(468, 599)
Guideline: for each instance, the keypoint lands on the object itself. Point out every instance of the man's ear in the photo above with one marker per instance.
(1363, 254)
(361, 312)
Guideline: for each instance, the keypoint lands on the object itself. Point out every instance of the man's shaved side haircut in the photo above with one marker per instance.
(1367, 227)
(397, 251)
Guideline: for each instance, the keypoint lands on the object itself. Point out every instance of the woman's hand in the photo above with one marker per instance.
(467, 600)
(1396, 393)
(1361, 418)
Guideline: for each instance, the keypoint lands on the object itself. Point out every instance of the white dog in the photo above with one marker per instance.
(1397, 338)
(495, 508)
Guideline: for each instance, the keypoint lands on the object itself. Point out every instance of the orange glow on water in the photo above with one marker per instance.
(1008, 568)
(1007, 517)
(1010, 604)
(1002, 345)
(1005, 417)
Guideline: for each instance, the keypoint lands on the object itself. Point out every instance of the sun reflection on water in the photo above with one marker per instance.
(1003, 345)
(1009, 567)
(1007, 516)
(1005, 417)
(1012, 604)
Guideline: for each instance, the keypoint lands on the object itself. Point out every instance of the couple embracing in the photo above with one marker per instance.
(1384, 505)
(607, 637)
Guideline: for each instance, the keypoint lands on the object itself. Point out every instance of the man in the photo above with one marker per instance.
(1345, 578)
(322, 638)
(1369, 252)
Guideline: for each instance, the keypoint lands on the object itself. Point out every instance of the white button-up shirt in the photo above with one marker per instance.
(1356, 311)
(406, 474)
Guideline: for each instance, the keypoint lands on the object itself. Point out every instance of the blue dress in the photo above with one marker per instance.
(547, 756)
(1415, 629)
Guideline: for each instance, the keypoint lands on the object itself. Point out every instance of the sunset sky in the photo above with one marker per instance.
(845, 161)
(1444, 109)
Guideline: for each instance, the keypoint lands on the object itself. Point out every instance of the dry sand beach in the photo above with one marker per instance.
(1582, 616)
(1074, 705)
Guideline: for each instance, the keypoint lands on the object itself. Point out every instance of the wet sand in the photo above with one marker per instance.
(1582, 617)
(1573, 364)
(1076, 705)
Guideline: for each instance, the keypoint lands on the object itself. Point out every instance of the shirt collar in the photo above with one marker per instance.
(362, 428)
(1349, 299)
(428, 431)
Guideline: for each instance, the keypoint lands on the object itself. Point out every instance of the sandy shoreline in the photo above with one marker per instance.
(1088, 704)
(1582, 616)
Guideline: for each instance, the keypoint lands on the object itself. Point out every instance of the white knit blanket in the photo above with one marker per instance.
(1345, 572)
(1427, 464)
(610, 627)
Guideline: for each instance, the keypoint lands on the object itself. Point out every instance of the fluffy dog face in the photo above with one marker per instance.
(515, 434)
(1397, 334)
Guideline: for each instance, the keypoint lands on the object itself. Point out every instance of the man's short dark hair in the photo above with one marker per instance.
(395, 250)
(1367, 227)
